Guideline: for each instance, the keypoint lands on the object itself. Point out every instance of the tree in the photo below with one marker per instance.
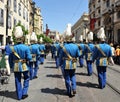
(45, 38)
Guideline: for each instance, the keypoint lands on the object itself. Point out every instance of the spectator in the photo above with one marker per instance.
(117, 51)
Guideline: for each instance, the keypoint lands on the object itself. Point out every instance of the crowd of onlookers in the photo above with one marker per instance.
(115, 53)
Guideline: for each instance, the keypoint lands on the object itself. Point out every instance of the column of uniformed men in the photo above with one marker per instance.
(66, 57)
(25, 59)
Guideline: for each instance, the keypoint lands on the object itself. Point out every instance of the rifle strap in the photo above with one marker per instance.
(12, 48)
(68, 55)
(79, 46)
(98, 47)
(88, 47)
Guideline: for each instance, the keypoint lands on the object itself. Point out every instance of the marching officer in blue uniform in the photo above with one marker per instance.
(81, 48)
(56, 48)
(42, 51)
(34, 64)
(89, 52)
(68, 60)
(102, 52)
(19, 57)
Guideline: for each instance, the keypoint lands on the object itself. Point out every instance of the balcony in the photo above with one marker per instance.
(104, 11)
(98, 15)
(98, 5)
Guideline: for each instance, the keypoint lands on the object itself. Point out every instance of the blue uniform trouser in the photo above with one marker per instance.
(62, 70)
(57, 61)
(81, 61)
(89, 67)
(70, 80)
(41, 58)
(101, 76)
(19, 89)
(33, 69)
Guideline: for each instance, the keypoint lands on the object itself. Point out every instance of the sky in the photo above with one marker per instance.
(58, 13)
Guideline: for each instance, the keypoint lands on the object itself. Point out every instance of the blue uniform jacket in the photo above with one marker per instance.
(91, 46)
(56, 48)
(97, 54)
(82, 48)
(42, 47)
(35, 50)
(72, 49)
(24, 53)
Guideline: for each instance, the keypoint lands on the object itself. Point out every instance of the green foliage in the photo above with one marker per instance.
(45, 38)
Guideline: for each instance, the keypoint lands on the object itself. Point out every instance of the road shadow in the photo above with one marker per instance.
(9, 94)
(55, 91)
(54, 76)
(51, 62)
(50, 67)
(82, 74)
(88, 84)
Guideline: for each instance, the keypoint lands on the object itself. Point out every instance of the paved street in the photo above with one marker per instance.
(49, 87)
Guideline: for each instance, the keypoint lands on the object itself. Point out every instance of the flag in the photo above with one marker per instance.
(47, 32)
(92, 23)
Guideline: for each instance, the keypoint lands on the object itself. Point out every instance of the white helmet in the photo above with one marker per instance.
(18, 33)
(81, 38)
(101, 34)
(57, 38)
(33, 37)
(90, 36)
(41, 39)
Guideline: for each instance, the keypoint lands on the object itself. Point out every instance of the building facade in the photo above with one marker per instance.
(13, 12)
(81, 27)
(105, 13)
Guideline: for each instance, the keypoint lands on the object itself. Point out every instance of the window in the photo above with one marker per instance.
(99, 23)
(99, 11)
(9, 3)
(26, 16)
(118, 14)
(1, 17)
(107, 3)
(19, 9)
(15, 22)
(2, 0)
(9, 22)
(15, 5)
(24, 13)
(98, 1)
(27, 3)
